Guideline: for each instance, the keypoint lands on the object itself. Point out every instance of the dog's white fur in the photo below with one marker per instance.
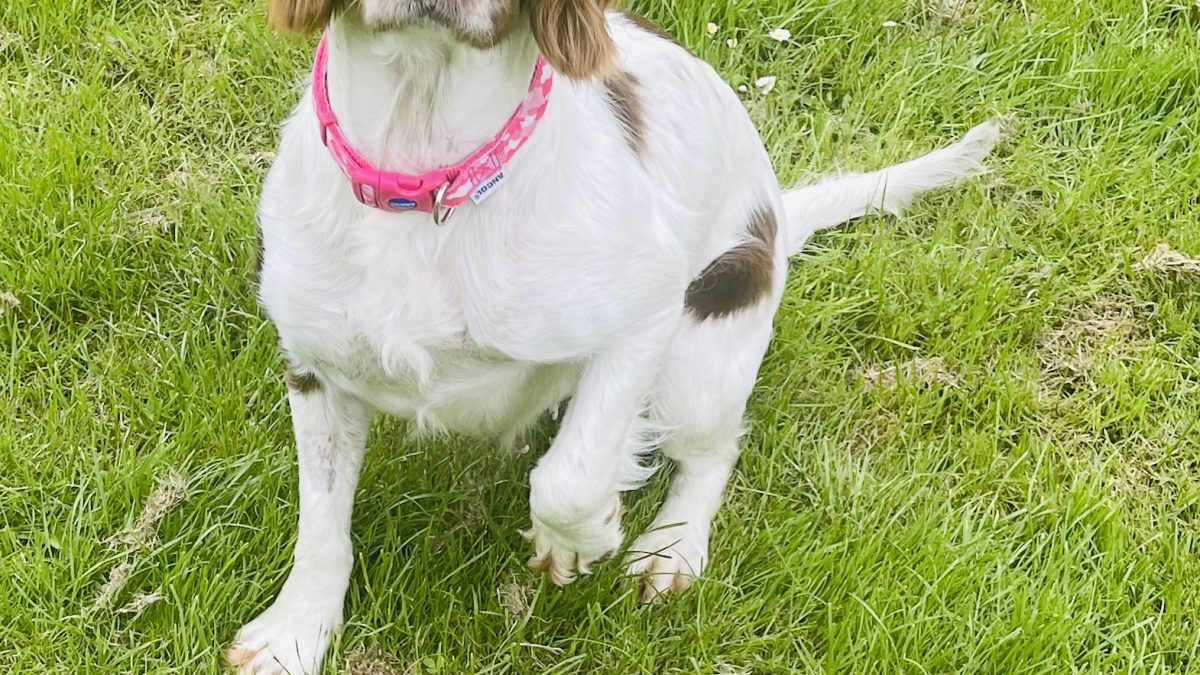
(568, 282)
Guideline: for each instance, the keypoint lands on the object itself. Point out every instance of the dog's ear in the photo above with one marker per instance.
(573, 36)
(300, 16)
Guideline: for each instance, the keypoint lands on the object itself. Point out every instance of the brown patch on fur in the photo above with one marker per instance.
(741, 276)
(648, 26)
(301, 383)
(506, 18)
(623, 89)
(301, 17)
(573, 36)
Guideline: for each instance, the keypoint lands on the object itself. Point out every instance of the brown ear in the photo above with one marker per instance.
(300, 16)
(573, 36)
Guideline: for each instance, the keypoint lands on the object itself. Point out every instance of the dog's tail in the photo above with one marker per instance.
(834, 201)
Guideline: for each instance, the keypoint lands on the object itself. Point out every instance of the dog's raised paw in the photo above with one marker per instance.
(564, 553)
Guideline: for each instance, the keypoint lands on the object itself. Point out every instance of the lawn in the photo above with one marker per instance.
(974, 445)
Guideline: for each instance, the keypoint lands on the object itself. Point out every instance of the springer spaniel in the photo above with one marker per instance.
(482, 208)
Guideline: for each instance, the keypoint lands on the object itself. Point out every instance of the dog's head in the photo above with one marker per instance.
(572, 34)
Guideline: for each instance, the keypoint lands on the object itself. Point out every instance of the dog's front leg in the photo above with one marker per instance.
(574, 499)
(292, 634)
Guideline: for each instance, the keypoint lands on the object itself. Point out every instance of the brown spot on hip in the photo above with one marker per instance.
(624, 98)
(740, 277)
(301, 382)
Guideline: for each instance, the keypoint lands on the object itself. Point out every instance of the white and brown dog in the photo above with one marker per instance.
(618, 238)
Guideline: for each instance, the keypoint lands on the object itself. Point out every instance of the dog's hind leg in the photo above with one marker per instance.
(700, 403)
(713, 360)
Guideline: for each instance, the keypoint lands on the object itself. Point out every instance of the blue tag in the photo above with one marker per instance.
(401, 204)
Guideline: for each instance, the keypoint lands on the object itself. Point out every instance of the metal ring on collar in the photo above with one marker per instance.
(441, 214)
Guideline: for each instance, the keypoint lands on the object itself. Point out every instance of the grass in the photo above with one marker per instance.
(973, 447)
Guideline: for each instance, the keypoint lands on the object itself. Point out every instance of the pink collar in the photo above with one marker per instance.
(440, 190)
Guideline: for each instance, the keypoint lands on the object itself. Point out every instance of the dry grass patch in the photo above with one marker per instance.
(373, 661)
(953, 12)
(1164, 259)
(8, 301)
(170, 493)
(1150, 468)
(117, 577)
(925, 371)
(880, 428)
(262, 159)
(1110, 327)
(151, 221)
(515, 598)
(141, 601)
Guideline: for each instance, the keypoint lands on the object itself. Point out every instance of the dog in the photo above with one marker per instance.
(481, 209)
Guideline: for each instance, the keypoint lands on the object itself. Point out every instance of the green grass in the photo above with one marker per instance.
(1024, 497)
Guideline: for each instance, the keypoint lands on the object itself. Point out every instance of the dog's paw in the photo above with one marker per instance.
(283, 640)
(565, 553)
(667, 560)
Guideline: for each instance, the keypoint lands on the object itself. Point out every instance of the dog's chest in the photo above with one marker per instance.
(365, 308)
(417, 325)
